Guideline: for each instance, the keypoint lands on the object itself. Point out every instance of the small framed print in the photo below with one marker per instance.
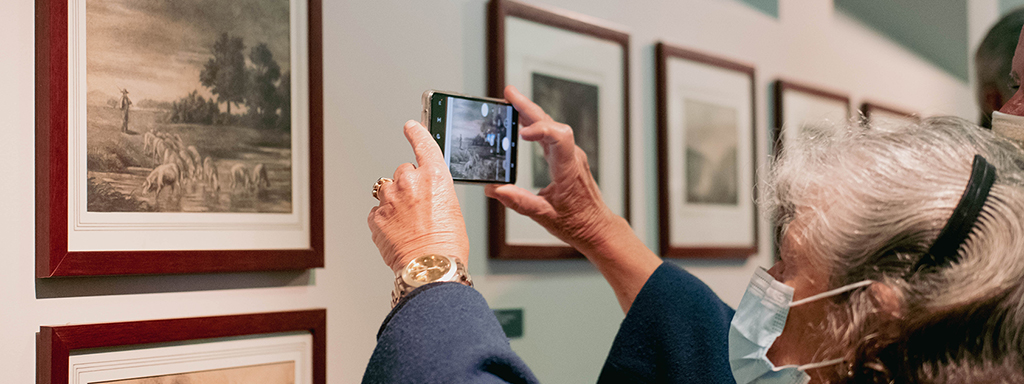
(271, 348)
(878, 114)
(577, 70)
(799, 107)
(706, 155)
(178, 137)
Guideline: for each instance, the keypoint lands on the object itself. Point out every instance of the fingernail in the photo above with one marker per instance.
(410, 123)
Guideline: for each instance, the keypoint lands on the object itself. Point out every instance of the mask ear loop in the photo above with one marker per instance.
(833, 292)
(821, 364)
(845, 288)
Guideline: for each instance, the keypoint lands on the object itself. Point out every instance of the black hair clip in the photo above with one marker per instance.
(953, 235)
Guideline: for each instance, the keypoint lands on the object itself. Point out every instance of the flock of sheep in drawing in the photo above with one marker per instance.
(181, 164)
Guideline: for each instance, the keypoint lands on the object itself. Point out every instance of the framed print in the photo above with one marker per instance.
(800, 107)
(178, 137)
(876, 114)
(706, 155)
(275, 348)
(577, 70)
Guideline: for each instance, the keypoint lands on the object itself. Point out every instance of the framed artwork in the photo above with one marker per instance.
(799, 107)
(275, 348)
(876, 114)
(706, 155)
(577, 70)
(178, 137)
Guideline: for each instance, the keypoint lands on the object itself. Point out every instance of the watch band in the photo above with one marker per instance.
(426, 269)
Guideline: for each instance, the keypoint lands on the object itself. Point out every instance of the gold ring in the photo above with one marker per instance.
(376, 186)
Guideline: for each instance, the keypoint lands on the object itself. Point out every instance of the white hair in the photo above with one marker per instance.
(870, 203)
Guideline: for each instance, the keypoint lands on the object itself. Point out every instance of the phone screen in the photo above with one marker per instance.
(478, 137)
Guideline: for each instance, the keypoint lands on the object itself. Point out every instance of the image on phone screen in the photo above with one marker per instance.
(477, 136)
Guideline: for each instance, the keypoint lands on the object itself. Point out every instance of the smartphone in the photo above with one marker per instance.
(477, 135)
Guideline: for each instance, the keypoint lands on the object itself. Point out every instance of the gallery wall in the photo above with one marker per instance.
(379, 56)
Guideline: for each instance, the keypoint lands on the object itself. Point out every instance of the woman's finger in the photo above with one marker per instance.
(384, 190)
(557, 140)
(529, 112)
(370, 218)
(426, 149)
(521, 201)
(402, 170)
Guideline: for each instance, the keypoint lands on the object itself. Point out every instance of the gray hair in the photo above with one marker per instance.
(870, 202)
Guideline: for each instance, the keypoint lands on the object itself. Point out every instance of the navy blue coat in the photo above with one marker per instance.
(676, 331)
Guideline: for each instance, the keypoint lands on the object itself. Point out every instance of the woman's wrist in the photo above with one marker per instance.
(402, 262)
(427, 269)
(601, 231)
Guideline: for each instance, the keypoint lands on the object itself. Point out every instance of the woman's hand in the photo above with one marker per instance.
(419, 213)
(570, 207)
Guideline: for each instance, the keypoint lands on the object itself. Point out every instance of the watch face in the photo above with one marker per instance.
(428, 268)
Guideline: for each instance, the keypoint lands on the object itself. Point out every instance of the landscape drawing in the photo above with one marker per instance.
(188, 106)
(479, 134)
(276, 373)
(572, 103)
(711, 133)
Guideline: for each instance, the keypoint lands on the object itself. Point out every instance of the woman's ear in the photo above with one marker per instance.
(886, 299)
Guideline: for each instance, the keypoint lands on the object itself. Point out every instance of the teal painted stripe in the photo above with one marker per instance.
(768, 7)
(1005, 6)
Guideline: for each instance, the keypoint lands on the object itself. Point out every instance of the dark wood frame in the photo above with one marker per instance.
(497, 12)
(55, 344)
(868, 107)
(52, 255)
(664, 52)
(781, 86)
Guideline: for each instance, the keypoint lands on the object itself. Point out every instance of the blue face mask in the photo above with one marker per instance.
(758, 321)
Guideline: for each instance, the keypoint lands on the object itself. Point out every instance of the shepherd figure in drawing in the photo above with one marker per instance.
(125, 104)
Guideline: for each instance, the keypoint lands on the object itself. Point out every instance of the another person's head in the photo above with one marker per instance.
(1008, 121)
(868, 205)
(992, 65)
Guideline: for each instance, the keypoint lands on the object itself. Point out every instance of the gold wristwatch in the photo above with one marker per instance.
(428, 269)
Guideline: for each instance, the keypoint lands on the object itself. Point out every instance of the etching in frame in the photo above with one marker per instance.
(559, 60)
(97, 211)
(797, 105)
(706, 155)
(286, 347)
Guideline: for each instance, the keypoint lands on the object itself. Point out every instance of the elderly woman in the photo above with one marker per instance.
(902, 260)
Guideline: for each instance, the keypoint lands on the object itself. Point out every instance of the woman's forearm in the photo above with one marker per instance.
(622, 258)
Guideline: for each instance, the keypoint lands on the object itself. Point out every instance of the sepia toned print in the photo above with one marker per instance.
(277, 373)
(188, 106)
(574, 104)
(712, 175)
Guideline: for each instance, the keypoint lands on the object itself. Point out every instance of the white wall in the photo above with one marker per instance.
(378, 57)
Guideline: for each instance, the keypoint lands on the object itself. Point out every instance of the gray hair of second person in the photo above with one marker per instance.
(871, 201)
(993, 59)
